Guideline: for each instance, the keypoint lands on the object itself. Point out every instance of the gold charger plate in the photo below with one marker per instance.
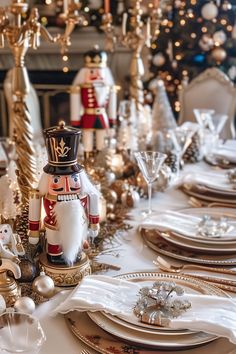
(209, 197)
(191, 286)
(158, 244)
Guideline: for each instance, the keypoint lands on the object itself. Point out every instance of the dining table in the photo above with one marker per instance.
(132, 255)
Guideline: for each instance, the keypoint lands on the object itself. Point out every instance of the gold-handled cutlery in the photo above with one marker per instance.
(224, 284)
(161, 262)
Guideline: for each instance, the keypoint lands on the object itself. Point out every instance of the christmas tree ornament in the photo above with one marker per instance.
(234, 32)
(44, 285)
(219, 37)
(110, 195)
(209, 11)
(93, 92)
(159, 59)
(226, 6)
(24, 304)
(232, 72)
(219, 54)
(3, 305)
(206, 42)
(130, 198)
(110, 177)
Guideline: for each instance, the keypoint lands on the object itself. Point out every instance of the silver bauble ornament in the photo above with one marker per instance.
(219, 37)
(24, 304)
(159, 59)
(209, 11)
(43, 285)
(164, 178)
(218, 54)
(130, 198)
(2, 304)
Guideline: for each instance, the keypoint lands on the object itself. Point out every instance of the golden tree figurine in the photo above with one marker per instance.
(20, 35)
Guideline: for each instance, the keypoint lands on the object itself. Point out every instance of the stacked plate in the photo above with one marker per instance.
(224, 156)
(132, 330)
(191, 246)
(212, 187)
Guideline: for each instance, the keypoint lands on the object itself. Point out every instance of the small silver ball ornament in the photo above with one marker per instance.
(43, 285)
(24, 304)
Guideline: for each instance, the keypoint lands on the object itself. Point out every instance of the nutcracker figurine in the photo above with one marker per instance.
(70, 200)
(93, 100)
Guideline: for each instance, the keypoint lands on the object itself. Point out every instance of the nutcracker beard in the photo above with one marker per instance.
(72, 228)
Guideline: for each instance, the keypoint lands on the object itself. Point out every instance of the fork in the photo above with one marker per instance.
(84, 351)
(177, 269)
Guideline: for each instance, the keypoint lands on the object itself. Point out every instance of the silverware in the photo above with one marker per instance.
(224, 284)
(84, 351)
(160, 261)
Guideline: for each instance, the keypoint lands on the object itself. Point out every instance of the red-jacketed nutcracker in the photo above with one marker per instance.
(70, 200)
(93, 100)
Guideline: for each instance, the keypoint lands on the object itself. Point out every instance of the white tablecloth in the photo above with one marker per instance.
(134, 255)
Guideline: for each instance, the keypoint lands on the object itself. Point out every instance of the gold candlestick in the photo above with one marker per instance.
(135, 38)
(21, 35)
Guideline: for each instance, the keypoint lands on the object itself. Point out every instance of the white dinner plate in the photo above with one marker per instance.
(136, 334)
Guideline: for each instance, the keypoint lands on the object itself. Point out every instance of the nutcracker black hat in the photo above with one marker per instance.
(95, 58)
(62, 144)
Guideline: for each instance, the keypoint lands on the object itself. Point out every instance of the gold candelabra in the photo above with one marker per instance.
(21, 34)
(135, 38)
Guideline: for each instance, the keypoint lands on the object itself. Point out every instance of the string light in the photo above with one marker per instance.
(223, 21)
(177, 43)
(204, 29)
(65, 58)
(182, 22)
(178, 57)
(193, 35)
(48, 2)
(65, 69)
(229, 28)
(86, 9)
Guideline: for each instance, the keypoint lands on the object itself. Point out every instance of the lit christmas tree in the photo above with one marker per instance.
(194, 35)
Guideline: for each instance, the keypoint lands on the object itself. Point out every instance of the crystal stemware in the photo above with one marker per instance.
(150, 163)
(20, 333)
(204, 118)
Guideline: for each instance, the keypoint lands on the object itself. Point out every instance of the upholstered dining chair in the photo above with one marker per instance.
(32, 103)
(211, 89)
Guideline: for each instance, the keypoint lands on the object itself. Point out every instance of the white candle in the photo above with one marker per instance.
(148, 32)
(65, 6)
(124, 23)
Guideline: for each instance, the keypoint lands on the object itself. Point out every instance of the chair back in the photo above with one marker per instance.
(211, 89)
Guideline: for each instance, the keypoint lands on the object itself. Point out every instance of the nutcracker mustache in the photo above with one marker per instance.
(72, 228)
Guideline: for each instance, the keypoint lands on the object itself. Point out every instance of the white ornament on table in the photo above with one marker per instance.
(24, 304)
(44, 285)
(209, 11)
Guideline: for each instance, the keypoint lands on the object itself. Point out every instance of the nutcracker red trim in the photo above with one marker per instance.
(54, 250)
(93, 219)
(33, 225)
(75, 123)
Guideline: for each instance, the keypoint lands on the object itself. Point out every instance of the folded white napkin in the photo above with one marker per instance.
(226, 153)
(180, 223)
(217, 180)
(211, 314)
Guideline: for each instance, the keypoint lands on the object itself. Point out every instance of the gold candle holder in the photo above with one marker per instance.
(20, 35)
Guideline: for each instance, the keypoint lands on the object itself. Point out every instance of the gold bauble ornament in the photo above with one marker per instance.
(24, 304)
(110, 207)
(44, 285)
(218, 54)
(110, 177)
(130, 198)
(141, 183)
(109, 195)
(111, 216)
(129, 170)
(119, 187)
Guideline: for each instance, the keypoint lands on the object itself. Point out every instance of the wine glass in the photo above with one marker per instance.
(150, 163)
(204, 118)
